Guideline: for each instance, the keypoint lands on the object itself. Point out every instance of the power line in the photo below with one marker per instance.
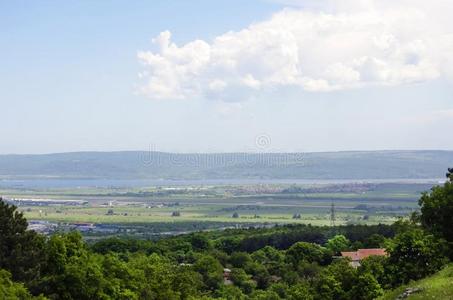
(332, 215)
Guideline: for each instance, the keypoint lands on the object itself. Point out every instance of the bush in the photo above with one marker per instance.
(415, 254)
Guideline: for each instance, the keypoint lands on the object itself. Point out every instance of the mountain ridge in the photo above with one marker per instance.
(380, 164)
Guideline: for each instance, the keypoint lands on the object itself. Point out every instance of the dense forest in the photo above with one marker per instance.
(283, 262)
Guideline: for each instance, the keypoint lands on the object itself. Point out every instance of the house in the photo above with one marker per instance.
(357, 256)
(227, 276)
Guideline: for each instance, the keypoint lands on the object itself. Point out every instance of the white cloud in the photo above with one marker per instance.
(339, 45)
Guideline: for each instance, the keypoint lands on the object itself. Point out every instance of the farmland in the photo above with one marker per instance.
(196, 207)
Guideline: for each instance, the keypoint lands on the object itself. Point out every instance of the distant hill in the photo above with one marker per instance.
(160, 165)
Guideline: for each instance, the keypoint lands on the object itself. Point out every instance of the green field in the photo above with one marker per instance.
(357, 203)
(206, 213)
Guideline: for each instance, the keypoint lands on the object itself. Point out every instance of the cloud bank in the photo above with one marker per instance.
(337, 46)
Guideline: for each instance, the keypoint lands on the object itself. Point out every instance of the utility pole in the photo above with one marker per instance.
(332, 215)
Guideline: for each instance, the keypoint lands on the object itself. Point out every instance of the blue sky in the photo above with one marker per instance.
(86, 75)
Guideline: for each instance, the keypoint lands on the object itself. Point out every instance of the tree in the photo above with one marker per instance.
(260, 274)
(374, 241)
(366, 287)
(308, 270)
(450, 174)
(242, 280)
(82, 279)
(11, 290)
(235, 215)
(376, 266)
(200, 242)
(264, 295)
(436, 210)
(343, 273)
(300, 292)
(188, 282)
(338, 243)
(211, 271)
(415, 254)
(123, 281)
(272, 259)
(240, 259)
(327, 287)
(309, 252)
(228, 244)
(156, 275)
(71, 271)
(21, 250)
(230, 292)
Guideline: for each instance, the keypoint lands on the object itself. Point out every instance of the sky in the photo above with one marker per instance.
(226, 75)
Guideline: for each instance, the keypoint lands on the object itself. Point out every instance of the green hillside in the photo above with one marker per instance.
(439, 286)
(160, 165)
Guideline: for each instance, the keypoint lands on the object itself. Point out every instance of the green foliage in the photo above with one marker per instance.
(285, 262)
(121, 245)
(158, 276)
(343, 273)
(438, 286)
(309, 252)
(415, 254)
(308, 270)
(200, 241)
(240, 259)
(211, 271)
(374, 241)
(21, 250)
(300, 291)
(376, 266)
(338, 243)
(270, 258)
(244, 281)
(228, 244)
(264, 295)
(230, 292)
(437, 210)
(327, 287)
(268, 255)
(260, 274)
(10, 290)
(365, 287)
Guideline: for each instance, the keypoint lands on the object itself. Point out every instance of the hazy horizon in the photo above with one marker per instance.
(205, 77)
(235, 152)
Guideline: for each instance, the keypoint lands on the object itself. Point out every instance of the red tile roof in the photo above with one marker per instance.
(364, 253)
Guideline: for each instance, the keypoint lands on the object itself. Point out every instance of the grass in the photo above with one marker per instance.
(438, 286)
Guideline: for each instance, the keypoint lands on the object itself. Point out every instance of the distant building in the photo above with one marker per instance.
(43, 227)
(227, 276)
(185, 265)
(44, 202)
(360, 254)
(83, 227)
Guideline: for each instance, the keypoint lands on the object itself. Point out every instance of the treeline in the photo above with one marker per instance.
(252, 239)
(284, 262)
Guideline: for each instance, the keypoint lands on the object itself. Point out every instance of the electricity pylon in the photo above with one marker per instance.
(332, 215)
